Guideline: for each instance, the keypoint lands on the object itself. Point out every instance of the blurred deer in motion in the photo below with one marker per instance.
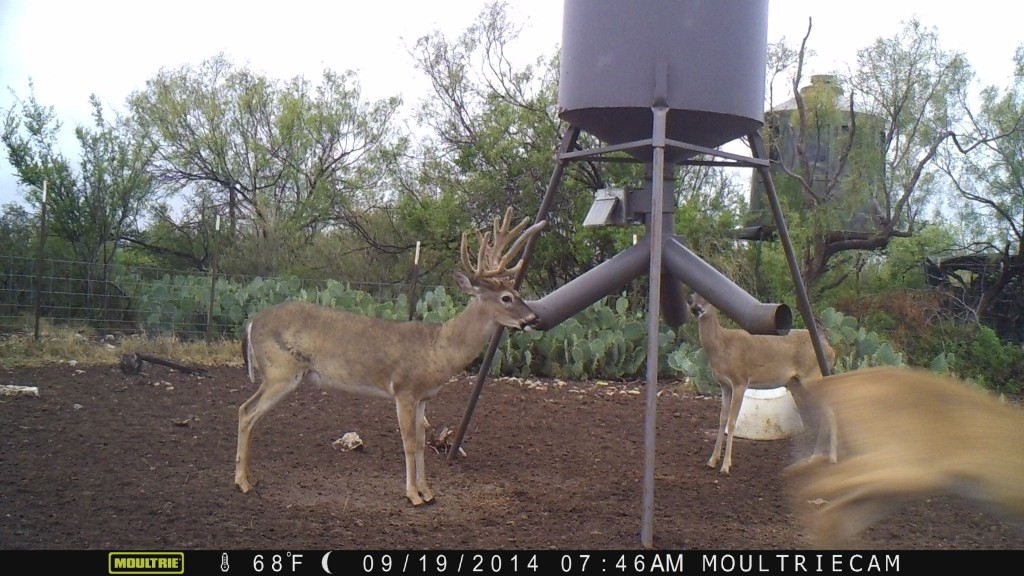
(406, 361)
(903, 434)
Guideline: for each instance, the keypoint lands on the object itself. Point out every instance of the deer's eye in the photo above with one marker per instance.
(507, 298)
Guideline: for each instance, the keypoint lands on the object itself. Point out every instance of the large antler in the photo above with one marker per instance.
(491, 261)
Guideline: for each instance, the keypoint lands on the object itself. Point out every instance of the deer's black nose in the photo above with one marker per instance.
(529, 322)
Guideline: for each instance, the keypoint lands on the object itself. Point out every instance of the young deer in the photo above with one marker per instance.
(408, 361)
(741, 360)
(907, 433)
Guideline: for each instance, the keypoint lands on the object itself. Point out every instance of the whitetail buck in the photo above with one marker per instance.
(408, 361)
(740, 360)
(904, 434)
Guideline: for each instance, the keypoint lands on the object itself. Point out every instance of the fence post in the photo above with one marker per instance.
(415, 281)
(213, 277)
(39, 261)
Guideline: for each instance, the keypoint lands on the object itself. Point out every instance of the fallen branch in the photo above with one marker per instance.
(132, 364)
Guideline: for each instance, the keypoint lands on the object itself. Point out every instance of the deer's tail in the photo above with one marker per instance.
(247, 352)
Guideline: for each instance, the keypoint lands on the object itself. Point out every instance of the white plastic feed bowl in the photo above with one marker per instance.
(769, 414)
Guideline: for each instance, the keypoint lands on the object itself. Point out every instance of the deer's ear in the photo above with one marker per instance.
(465, 283)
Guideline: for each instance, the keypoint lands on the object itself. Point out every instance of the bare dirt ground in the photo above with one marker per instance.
(103, 460)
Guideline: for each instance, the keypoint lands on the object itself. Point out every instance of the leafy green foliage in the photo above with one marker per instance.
(93, 206)
(986, 360)
(17, 232)
(281, 161)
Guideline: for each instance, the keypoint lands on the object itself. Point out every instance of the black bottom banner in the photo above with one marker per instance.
(348, 562)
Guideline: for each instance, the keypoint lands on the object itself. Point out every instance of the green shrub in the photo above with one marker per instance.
(982, 357)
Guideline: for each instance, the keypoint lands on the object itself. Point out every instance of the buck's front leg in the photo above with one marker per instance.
(421, 442)
(409, 426)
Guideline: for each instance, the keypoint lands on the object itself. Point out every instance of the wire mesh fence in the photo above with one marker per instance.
(128, 298)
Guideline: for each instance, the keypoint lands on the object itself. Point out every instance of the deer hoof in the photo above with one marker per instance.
(243, 483)
(420, 498)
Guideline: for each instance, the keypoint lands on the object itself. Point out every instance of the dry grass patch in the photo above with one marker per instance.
(78, 345)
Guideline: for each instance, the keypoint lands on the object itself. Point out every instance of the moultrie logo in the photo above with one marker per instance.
(146, 563)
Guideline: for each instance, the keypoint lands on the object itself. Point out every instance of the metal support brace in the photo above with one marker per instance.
(803, 300)
(568, 143)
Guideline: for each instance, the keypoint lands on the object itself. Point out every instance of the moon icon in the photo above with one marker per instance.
(324, 561)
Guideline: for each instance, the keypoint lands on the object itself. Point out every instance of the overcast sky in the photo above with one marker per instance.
(74, 48)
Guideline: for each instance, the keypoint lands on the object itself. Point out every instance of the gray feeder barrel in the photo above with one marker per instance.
(714, 51)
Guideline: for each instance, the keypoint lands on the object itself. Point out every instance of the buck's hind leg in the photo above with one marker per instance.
(271, 391)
